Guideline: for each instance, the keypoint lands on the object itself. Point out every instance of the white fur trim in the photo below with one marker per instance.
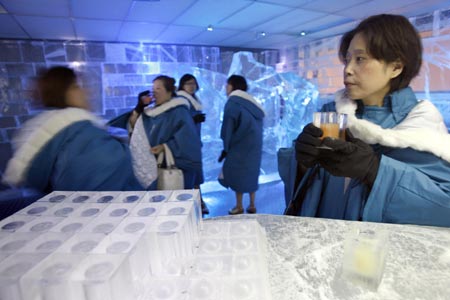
(248, 97)
(423, 129)
(174, 102)
(143, 161)
(36, 133)
(343, 104)
(194, 102)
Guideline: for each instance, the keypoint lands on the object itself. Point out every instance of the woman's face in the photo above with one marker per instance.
(190, 86)
(76, 97)
(365, 77)
(160, 93)
(229, 89)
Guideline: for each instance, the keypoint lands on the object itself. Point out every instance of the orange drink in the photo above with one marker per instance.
(330, 130)
(332, 124)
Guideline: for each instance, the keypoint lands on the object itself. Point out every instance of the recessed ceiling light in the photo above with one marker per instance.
(262, 33)
(75, 64)
(303, 33)
(210, 28)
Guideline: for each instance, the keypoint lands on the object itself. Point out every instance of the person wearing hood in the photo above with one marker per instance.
(242, 135)
(394, 164)
(66, 147)
(187, 88)
(167, 122)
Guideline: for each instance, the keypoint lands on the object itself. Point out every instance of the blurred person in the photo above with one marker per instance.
(187, 88)
(394, 164)
(65, 147)
(242, 135)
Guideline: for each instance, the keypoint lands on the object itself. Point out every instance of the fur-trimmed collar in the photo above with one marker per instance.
(36, 133)
(423, 129)
(247, 96)
(194, 102)
(174, 102)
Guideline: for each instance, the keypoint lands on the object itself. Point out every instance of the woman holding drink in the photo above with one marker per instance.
(394, 163)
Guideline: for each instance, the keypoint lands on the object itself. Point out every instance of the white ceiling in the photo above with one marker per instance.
(236, 23)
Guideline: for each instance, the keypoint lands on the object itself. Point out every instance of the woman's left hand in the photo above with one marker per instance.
(157, 149)
(350, 158)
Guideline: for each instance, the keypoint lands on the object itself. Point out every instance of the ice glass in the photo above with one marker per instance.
(107, 276)
(172, 245)
(130, 245)
(53, 279)
(365, 256)
(205, 288)
(332, 124)
(12, 270)
(37, 208)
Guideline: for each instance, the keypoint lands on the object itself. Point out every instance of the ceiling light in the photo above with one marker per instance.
(210, 28)
(302, 33)
(75, 64)
(262, 33)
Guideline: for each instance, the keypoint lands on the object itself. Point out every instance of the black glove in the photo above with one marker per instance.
(350, 158)
(199, 118)
(140, 104)
(222, 156)
(306, 151)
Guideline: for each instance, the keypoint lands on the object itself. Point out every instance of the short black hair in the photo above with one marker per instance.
(185, 78)
(389, 38)
(53, 84)
(237, 82)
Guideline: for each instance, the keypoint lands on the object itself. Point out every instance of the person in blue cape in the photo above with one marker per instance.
(167, 122)
(394, 164)
(187, 88)
(66, 147)
(242, 135)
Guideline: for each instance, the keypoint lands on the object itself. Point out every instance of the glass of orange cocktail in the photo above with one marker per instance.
(332, 124)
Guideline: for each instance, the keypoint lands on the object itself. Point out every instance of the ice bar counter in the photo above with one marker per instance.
(127, 246)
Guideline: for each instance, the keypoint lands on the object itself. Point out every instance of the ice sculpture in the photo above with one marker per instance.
(288, 99)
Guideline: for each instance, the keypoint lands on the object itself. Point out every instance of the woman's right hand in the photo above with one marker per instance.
(144, 99)
(306, 144)
(157, 149)
(199, 118)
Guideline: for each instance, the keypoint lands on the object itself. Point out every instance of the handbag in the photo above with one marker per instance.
(170, 177)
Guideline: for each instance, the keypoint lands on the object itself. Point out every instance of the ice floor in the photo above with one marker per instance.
(269, 197)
